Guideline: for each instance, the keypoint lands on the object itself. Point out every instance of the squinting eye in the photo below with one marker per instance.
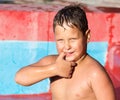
(73, 39)
(60, 40)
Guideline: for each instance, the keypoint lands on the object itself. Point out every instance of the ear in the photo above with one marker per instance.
(87, 33)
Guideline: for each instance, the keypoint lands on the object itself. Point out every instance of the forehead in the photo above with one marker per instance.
(67, 29)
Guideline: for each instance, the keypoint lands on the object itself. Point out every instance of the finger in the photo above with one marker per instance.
(68, 77)
(62, 55)
(73, 64)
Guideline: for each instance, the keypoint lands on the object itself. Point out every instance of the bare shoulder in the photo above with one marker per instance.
(100, 80)
(96, 72)
(96, 69)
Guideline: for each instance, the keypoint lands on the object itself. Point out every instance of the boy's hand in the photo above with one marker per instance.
(63, 67)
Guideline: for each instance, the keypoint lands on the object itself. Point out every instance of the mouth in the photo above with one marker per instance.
(68, 54)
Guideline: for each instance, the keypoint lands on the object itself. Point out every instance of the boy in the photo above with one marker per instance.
(74, 75)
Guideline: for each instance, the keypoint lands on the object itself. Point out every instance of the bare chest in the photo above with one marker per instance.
(76, 88)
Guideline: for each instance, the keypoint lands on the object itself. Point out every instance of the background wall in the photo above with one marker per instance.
(26, 36)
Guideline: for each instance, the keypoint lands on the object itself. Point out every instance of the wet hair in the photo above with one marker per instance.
(72, 15)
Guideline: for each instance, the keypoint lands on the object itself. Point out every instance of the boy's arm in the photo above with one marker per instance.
(47, 67)
(36, 72)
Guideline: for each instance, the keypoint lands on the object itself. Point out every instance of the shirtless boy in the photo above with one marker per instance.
(74, 75)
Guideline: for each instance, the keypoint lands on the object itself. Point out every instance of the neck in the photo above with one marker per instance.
(82, 58)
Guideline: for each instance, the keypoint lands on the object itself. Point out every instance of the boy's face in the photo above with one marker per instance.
(71, 41)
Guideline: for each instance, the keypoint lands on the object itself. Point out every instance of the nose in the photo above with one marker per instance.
(67, 46)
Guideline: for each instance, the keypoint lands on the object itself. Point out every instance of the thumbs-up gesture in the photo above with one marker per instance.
(64, 68)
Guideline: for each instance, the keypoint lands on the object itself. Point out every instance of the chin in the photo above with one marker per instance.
(69, 59)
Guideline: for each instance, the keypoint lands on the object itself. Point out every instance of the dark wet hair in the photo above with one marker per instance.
(72, 15)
